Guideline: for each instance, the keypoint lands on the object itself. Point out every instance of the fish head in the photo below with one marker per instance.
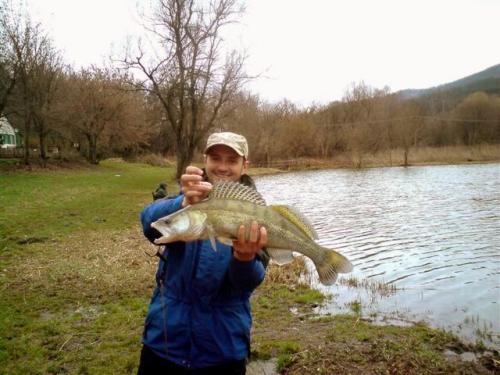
(184, 225)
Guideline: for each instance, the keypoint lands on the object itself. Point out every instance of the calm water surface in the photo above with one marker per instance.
(432, 232)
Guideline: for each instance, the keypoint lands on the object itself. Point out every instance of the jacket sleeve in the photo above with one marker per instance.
(157, 210)
(246, 276)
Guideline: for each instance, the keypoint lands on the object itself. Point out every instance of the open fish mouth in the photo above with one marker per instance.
(183, 225)
(167, 234)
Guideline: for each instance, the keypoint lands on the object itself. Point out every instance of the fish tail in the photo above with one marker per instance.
(331, 265)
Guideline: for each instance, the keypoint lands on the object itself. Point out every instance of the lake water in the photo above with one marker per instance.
(433, 232)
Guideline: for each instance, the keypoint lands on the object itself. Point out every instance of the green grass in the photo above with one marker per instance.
(7, 162)
(356, 307)
(74, 280)
(40, 206)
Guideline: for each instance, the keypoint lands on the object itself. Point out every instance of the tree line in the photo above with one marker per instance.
(166, 99)
(366, 121)
(53, 105)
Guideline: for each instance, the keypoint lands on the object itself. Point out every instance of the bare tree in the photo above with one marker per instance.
(8, 72)
(190, 77)
(7, 82)
(132, 131)
(328, 129)
(358, 106)
(297, 136)
(247, 119)
(45, 78)
(97, 107)
(29, 51)
(477, 113)
(495, 134)
(407, 129)
(161, 139)
(359, 103)
(8, 66)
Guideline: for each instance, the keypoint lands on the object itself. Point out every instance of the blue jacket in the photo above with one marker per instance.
(199, 314)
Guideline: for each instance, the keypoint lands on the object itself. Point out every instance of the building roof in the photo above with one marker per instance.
(5, 127)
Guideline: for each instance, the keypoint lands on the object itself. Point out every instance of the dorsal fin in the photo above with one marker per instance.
(235, 190)
(298, 219)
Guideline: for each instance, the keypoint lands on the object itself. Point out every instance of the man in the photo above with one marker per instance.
(199, 318)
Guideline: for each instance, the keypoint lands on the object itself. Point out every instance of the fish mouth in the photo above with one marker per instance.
(167, 235)
(183, 228)
(165, 231)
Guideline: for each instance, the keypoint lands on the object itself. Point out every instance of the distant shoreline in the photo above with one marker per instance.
(456, 155)
(435, 157)
(448, 155)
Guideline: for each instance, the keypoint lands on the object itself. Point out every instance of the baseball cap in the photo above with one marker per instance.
(235, 141)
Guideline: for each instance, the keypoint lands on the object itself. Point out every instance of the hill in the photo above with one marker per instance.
(487, 80)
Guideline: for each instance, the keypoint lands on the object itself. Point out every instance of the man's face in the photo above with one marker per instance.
(222, 163)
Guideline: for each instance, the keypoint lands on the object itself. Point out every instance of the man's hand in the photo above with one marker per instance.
(193, 186)
(246, 250)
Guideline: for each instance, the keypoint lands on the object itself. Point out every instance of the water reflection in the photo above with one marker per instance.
(433, 232)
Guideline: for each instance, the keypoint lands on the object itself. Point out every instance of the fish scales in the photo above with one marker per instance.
(231, 214)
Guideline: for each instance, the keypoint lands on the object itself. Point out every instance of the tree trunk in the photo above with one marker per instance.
(26, 153)
(184, 157)
(92, 154)
(41, 141)
(43, 155)
(27, 130)
(5, 95)
(358, 159)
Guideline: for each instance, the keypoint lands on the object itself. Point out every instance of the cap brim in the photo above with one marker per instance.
(224, 144)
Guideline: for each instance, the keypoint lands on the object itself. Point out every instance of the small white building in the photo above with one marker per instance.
(9, 138)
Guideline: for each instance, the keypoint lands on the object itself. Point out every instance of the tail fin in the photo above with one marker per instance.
(331, 265)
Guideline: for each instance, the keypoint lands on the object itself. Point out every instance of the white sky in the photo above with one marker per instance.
(311, 51)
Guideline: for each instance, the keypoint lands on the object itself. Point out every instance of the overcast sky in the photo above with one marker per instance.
(311, 51)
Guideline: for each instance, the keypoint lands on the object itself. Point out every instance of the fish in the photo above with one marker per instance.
(230, 204)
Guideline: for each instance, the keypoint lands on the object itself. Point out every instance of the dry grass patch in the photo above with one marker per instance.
(111, 263)
(77, 306)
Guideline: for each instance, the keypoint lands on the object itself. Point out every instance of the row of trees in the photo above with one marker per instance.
(168, 101)
(365, 121)
(51, 103)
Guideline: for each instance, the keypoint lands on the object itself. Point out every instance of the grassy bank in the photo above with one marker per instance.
(303, 342)
(75, 282)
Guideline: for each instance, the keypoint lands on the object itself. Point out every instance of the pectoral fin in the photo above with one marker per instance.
(225, 240)
(280, 256)
(211, 236)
